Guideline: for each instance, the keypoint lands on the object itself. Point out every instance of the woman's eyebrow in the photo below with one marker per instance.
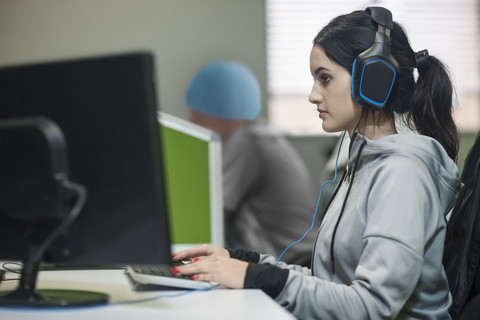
(319, 69)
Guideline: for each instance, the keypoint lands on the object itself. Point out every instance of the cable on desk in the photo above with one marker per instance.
(6, 266)
(183, 293)
(9, 269)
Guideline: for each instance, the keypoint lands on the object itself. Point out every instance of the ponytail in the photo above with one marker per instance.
(432, 103)
(427, 103)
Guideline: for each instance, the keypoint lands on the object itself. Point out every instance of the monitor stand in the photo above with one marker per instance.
(26, 293)
(52, 218)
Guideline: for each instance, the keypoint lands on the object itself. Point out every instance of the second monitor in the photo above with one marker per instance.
(193, 169)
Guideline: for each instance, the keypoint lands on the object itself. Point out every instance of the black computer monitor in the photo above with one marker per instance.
(106, 108)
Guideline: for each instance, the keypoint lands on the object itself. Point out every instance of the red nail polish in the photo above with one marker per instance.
(195, 277)
(175, 270)
(195, 259)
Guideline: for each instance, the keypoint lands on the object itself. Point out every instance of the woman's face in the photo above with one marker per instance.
(331, 93)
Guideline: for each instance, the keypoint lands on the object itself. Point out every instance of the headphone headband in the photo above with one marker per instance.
(374, 70)
(381, 16)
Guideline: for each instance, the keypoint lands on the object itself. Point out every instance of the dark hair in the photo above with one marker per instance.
(427, 102)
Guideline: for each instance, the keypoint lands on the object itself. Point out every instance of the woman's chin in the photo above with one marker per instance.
(330, 129)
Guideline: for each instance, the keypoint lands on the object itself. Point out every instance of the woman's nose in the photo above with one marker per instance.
(314, 97)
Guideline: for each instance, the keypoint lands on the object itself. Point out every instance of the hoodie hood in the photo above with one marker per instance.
(424, 148)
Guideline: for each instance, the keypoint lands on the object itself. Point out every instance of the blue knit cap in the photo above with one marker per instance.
(225, 89)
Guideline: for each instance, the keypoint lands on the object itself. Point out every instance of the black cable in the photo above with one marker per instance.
(33, 259)
(354, 170)
(9, 269)
(81, 194)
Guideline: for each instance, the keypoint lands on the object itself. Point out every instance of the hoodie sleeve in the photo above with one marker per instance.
(374, 294)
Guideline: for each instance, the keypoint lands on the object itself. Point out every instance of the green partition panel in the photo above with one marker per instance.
(187, 176)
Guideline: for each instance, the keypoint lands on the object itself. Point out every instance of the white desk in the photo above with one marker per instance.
(212, 304)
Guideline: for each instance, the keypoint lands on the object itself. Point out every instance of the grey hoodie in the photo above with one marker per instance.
(386, 259)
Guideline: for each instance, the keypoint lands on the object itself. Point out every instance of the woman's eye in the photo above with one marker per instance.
(325, 79)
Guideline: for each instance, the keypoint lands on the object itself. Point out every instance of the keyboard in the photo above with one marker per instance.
(159, 276)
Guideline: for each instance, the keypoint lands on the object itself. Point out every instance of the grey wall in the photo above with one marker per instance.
(183, 35)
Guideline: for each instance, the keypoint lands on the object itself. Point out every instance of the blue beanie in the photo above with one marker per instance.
(225, 89)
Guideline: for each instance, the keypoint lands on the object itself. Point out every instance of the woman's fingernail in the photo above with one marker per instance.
(175, 270)
(195, 277)
(195, 259)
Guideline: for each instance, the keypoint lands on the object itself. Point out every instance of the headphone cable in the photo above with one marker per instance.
(318, 202)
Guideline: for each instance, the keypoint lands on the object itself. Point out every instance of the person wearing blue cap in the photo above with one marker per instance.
(269, 198)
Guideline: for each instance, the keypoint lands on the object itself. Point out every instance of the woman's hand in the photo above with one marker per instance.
(216, 267)
(204, 250)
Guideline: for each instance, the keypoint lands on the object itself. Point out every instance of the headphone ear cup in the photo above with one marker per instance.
(373, 78)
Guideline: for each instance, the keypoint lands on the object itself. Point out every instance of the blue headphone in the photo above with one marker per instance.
(374, 71)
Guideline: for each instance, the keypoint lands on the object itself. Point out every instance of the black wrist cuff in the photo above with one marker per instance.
(244, 255)
(266, 277)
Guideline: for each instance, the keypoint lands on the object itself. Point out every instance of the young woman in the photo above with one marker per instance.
(379, 248)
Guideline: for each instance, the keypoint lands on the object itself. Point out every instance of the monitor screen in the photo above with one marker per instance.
(106, 108)
(193, 166)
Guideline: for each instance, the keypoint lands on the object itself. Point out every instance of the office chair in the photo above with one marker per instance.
(462, 243)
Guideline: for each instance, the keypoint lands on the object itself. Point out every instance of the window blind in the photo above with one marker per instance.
(447, 29)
